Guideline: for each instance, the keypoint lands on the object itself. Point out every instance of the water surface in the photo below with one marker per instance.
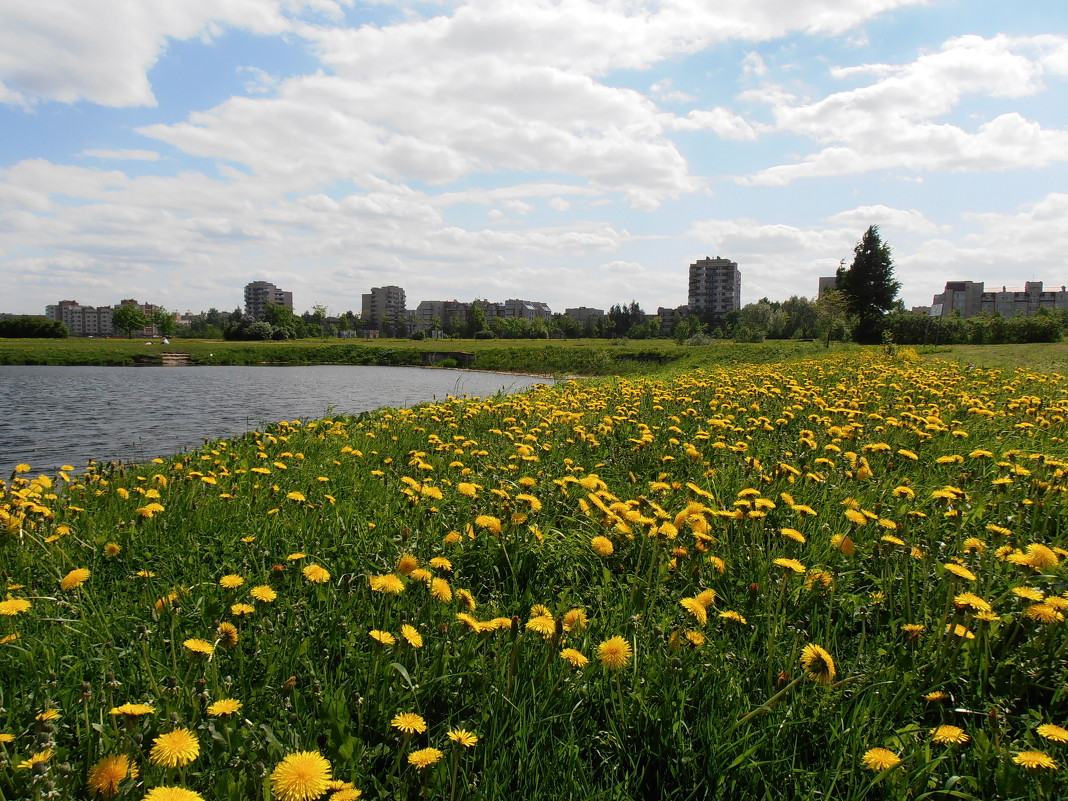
(52, 416)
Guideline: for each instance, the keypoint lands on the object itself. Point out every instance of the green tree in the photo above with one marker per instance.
(129, 318)
(869, 286)
(165, 322)
(832, 306)
(476, 319)
(688, 328)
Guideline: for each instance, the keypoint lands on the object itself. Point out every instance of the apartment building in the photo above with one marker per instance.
(95, 321)
(383, 304)
(715, 287)
(259, 293)
(971, 298)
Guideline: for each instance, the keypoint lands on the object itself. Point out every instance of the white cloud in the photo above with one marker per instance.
(893, 121)
(122, 155)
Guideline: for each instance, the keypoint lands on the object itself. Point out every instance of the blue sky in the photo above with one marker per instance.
(576, 152)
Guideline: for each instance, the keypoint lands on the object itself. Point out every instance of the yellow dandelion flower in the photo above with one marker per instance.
(409, 723)
(574, 657)
(614, 653)
(316, 574)
(1041, 556)
(490, 523)
(224, 706)
(995, 529)
(463, 737)
(441, 590)
(734, 617)
(793, 534)
(574, 620)
(301, 776)
(971, 601)
(441, 563)
(390, 584)
(936, 697)
(1033, 760)
(818, 662)
(34, 759)
(1044, 613)
(175, 748)
(424, 757)
(602, 545)
(14, 606)
(1028, 594)
(880, 759)
(263, 593)
(132, 710)
(383, 637)
(108, 773)
(199, 646)
(74, 579)
(949, 735)
(412, 636)
(959, 631)
(406, 564)
(231, 581)
(112, 549)
(791, 564)
(543, 625)
(1053, 732)
(241, 609)
(856, 516)
(973, 544)
(695, 608)
(959, 570)
(166, 793)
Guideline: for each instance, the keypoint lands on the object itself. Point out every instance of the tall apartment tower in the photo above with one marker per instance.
(382, 304)
(259, 293)
(715, 286)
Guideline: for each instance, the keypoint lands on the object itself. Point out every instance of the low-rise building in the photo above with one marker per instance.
(95, 321)
(971, 298)
(584, 314)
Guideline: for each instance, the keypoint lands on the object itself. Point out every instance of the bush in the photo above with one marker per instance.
(448, 363)
(33, 327)
(485, 335)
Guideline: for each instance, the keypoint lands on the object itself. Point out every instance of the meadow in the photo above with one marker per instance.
(838, 576)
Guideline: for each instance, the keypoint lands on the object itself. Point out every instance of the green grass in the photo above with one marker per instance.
(1050, 357)
(700, 480)
(555, 357)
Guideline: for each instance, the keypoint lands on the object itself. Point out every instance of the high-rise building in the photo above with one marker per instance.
(384, 304)
(259, 293)
(715, 287)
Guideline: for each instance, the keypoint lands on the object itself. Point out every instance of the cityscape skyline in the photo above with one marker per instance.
(579, 151)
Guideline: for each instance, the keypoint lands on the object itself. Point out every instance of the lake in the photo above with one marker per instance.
(53, 416)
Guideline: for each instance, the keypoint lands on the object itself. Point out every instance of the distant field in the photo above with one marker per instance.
(1049, 357)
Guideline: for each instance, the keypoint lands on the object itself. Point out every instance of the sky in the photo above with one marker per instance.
(575, 152)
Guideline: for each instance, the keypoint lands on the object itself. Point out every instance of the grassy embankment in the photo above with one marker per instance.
(741, 582)
(574, 357)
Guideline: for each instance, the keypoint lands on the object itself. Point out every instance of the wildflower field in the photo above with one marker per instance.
(833, 578)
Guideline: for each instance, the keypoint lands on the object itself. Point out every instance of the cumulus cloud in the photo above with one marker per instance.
(893, 122)
(102, 50)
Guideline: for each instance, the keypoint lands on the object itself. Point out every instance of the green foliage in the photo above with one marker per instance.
(986, 329)
(33, 327)
(164, 322)
(129, 318)
(869, 286)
